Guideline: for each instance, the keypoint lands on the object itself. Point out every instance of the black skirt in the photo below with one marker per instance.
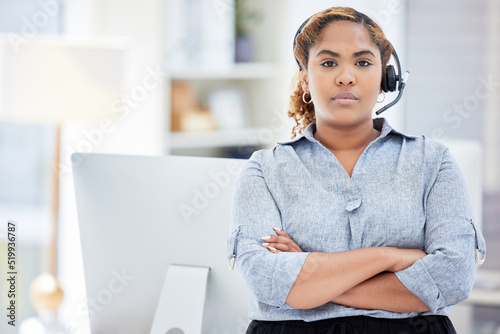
(356, 325)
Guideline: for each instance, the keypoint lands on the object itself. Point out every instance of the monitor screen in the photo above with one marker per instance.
(140, 214)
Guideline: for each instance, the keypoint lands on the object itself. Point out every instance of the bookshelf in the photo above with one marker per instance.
(236, 71)
(260, 84)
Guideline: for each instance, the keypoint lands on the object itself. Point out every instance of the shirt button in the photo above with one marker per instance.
(353, 204)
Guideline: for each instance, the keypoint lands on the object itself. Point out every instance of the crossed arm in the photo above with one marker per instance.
(361, 278)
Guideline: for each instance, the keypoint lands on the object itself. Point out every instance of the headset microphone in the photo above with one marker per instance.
(390, 82)
(401, 88)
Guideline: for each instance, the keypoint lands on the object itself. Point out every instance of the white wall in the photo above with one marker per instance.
(491, 135)
(447, 43)
(141, 23)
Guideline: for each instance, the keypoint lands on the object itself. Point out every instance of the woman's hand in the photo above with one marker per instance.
(280, 242)
(403, 258)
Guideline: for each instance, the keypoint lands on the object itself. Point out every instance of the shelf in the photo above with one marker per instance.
(219, 139)
(484, 297)
(486, 290)
(238, 71)
(261, 83)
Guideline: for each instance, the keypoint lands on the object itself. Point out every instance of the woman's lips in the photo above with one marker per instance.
(345, 98)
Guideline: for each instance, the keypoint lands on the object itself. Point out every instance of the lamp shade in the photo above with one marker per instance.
(50, 80)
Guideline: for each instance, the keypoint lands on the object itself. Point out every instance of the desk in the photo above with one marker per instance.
(486, 292)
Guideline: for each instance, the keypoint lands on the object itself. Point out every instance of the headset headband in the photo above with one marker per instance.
(295, 38)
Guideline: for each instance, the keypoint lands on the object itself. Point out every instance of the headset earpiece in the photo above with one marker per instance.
(390, 80)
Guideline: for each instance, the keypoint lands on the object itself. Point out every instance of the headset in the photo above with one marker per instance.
(390, 81)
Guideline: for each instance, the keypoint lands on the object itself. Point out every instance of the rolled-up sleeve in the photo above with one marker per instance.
(446, 275)
(254, 212)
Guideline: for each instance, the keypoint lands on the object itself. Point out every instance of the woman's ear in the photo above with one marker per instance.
(304, 80)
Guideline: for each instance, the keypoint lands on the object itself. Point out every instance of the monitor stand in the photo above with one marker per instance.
(182, 301)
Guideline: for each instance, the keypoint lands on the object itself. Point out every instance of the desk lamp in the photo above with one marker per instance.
(50, 81)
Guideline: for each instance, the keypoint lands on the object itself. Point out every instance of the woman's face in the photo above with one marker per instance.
(343, 74)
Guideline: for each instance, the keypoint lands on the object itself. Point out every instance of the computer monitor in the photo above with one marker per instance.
(140, 214)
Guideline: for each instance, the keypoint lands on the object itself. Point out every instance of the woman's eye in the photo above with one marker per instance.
(328, 64)
(363, 63)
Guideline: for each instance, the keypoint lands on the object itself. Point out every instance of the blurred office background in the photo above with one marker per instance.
(211, 78)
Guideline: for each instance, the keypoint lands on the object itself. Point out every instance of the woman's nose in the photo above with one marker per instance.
(345, 77)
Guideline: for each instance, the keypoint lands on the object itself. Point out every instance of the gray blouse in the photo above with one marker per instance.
(405, 192)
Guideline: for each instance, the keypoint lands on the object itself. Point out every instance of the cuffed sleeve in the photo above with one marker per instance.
(446, 275)
(254, 212)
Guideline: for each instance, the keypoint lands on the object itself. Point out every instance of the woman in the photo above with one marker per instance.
(373, 229)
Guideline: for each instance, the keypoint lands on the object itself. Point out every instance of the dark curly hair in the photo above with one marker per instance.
(303, 113)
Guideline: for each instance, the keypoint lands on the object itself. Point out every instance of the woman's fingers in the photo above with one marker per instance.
(291, 243)
(280, 242)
